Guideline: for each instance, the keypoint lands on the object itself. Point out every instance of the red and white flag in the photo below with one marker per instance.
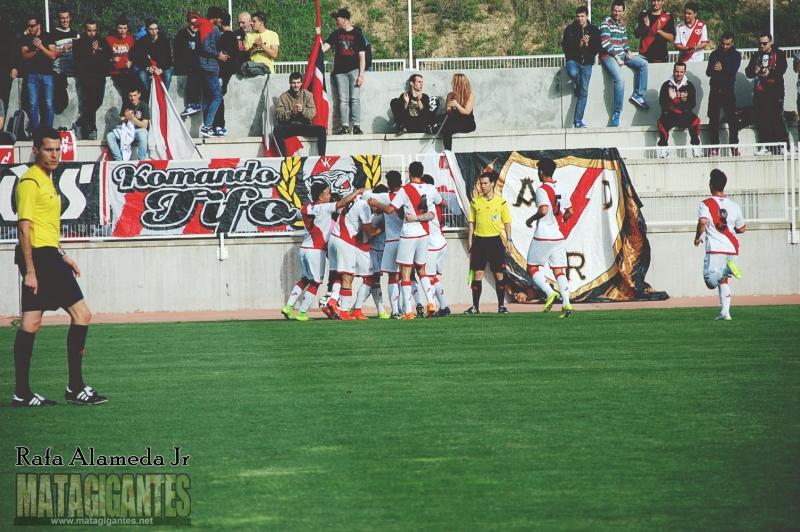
(315, 83)
(168, 138)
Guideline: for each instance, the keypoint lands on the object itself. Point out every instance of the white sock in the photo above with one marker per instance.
(415, 292)
(540, 281)
(295, 294)
(439, 289)
(563, 287)
(725, 298)
(347, 295)
(363, 294)
(308, 299)
(426, 285)
(377, 297)
(394, 297)
(337, 288)
(408, 306)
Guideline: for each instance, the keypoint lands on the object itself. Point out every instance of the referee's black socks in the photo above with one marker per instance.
(500, 288)
(23, 352)
(477, 288)
(76, 342)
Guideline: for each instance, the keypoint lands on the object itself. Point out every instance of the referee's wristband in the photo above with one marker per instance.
(510, 240)
(63, 253)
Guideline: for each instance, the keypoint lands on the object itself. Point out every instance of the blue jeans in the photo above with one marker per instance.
(166, 76)
(580, 76)
(637, 63)
(212, 97)
(116, 151)
(40, 86)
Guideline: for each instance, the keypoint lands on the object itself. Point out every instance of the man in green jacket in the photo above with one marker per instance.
(294, 113)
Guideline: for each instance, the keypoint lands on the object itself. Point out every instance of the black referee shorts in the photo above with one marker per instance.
(57, 285)
(487, 249)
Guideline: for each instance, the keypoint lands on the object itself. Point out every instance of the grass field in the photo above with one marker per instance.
(611, 420)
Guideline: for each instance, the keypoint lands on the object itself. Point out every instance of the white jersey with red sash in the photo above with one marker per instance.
(351, 221)
(723, 216)
(549, 227)
(417, 198)
(686, 36)
(437, 241)
(393, 222)
(317, 221)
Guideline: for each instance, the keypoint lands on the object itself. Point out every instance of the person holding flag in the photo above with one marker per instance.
(691, 36)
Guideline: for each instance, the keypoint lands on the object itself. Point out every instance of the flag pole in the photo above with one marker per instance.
(410, 41)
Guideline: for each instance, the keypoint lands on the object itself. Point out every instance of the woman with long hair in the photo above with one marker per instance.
(459, 105)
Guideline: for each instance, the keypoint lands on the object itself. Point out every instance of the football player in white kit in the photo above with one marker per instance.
(349, 254)
(721, 220)
(417, 202)
(547, 245)
(437, 251)
(393, 225)
(376, 246)
(317, 221)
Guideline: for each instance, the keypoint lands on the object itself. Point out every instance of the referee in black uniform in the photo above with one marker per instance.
(488, 216)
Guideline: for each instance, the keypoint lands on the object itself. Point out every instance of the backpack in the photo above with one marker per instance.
(18, 125)
(368, 53)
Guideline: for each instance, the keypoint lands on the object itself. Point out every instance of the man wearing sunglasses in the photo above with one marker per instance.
(767, 67)
(38, 54)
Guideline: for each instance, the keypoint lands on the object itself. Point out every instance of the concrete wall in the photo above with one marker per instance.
(521, 99)
(185, 275)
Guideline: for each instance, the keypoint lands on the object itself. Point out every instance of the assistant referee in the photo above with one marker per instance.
(48, 276)
(488, 216)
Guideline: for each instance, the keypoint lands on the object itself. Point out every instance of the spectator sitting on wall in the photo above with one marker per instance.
(767, 67)
(294, 113)
(678, 98)
(64, 65)
(262, 45)
(655, 29)
(153, 46)
(183, 62)
(6, 138)
(797, 69)
(38, 51)
(136, 113)
(414, 111)
(616, 53)
(121, 65)
(459, 108)
(92, 59)
(723, 65)
(581, 43)
(691, 35)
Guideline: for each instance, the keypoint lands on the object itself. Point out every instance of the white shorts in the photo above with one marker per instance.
(342, 256)
(363, 263)
(312, 264)
(715, 262)
(389, 259)
(436, 261)
(376, 256)
(551, 252)
(413, 251)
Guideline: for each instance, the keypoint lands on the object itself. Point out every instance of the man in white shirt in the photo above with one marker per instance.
(691, 35)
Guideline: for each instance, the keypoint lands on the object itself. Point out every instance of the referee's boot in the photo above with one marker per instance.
(472, 310)
(36, 400)
(86, 397)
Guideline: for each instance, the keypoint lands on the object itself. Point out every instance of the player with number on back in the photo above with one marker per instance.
(393, 225)
(720, 219)
(437, 251)
(548, 245)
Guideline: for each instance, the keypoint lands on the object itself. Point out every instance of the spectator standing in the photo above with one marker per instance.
(38, 52)
(767, 67)
(414, 111)
(92, 56)
(349, 62)
(6, 138)
(691, 35)
(227, 44)
(152, 48)
(262, 46)
(9, 56)
(581, 43)
(121, 45)
(797, 69)
(183, 62)
(245, 25)
(615, 53)
(136, 112)
(64, 65)
(207, 63)
(294, 114)
(459, 108)
(655, 29)
(677, 99)
(723, 65)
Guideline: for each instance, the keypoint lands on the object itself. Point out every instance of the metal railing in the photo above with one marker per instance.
(378, 65)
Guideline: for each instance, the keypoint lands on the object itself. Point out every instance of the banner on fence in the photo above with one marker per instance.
(212, 196)
(608, 253)
(78, 184)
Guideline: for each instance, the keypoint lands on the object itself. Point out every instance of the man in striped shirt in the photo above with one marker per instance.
(615, 53)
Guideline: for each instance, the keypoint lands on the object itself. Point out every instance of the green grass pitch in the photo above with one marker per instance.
(610, 420)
